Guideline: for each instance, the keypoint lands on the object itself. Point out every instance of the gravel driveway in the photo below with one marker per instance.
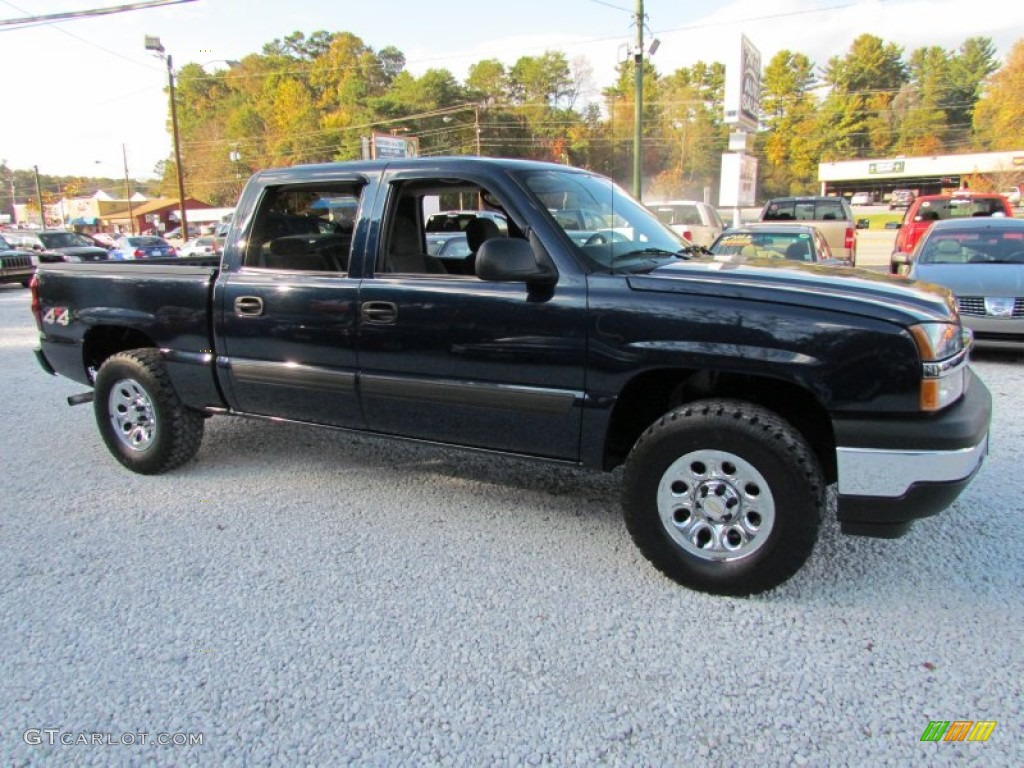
(298, 596)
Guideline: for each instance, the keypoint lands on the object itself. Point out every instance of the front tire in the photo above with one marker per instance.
(140, 417)
(724, 496)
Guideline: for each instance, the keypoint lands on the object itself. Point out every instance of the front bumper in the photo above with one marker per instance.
(894, 471)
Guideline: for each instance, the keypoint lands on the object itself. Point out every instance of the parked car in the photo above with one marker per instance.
(833, 216)
(981, 260)
(861, 198)
(696, 221)
(16, 266)
(142, 247)
(928, 209)
(194, 230)
(790, 242)
(457, 221)
(54, 245)
(102, 239)
(200, 246)
(901, 198)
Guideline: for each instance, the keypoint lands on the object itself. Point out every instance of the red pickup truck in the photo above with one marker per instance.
(931, 208)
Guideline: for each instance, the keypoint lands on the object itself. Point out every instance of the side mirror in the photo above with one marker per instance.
(893, 224)
(863, 223)
(512, 260)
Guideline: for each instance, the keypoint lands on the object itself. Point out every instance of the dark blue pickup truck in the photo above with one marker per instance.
(734, 394)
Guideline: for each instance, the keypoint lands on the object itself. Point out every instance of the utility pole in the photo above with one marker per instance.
(153, 44)
(638, 60)
(39, 197)
(476, 127)
(128, 190)
(177, 151)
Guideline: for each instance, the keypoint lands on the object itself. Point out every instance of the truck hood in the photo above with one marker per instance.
(872, 294)
(994, 280)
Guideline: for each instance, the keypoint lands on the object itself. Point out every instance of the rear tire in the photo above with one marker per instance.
(724, 496)
(140, 417)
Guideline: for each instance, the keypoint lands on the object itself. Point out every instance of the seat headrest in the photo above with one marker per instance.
(480, 229)
(797, 251)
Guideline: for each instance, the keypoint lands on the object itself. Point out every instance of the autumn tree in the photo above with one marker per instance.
(854, 120)
(999, 114)
(789, 145)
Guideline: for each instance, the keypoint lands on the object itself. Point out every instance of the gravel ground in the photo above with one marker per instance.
(298, 596)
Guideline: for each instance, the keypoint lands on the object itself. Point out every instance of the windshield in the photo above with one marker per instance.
(4, 245)
(610, 229)
(141, 242)
(974, 247)
(64, 240)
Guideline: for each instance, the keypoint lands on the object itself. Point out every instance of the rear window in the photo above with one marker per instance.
(805, 210)
(685, 215)
(958, 208)
(765, 245)
(64, 240)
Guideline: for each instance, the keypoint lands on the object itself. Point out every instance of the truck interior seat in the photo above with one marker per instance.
(294, 252)
(405, 251)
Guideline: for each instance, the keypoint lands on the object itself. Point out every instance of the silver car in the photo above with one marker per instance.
(981, 260)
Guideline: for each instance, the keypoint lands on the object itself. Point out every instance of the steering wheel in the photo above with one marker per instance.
(606, 236)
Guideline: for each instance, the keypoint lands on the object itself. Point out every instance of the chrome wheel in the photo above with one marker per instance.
(132, 414)
(715, 505)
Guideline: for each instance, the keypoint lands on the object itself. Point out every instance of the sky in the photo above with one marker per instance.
(79, 92)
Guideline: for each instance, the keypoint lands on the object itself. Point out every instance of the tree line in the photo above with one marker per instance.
(313, 99)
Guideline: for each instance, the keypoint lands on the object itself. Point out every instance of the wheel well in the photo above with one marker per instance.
(105, 340)
(654, 393)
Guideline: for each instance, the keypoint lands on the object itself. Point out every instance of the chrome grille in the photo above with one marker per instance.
(975, 305)
(15, 262)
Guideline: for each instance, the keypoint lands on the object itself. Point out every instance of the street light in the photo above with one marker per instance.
(153, 44)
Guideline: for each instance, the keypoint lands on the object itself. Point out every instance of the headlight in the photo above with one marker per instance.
(944, 349)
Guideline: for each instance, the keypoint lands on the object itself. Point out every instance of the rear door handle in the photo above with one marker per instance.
(379, 312)
(248, 306)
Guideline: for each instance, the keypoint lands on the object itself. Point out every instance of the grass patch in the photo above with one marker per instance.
(879, 220)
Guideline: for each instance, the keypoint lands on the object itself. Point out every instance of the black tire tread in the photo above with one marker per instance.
(760, 422)
(183, 426)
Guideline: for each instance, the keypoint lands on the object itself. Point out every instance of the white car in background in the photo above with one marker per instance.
(1012, 196)
(200, 246)
(861, 198)
(697, 221)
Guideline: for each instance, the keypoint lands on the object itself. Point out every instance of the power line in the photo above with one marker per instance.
(67, 15)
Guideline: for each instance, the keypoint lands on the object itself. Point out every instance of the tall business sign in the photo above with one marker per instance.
(738, 185)
(743, 88)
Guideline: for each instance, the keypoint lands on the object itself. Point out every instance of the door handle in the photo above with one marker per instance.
(248, 306)
(379, 312)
